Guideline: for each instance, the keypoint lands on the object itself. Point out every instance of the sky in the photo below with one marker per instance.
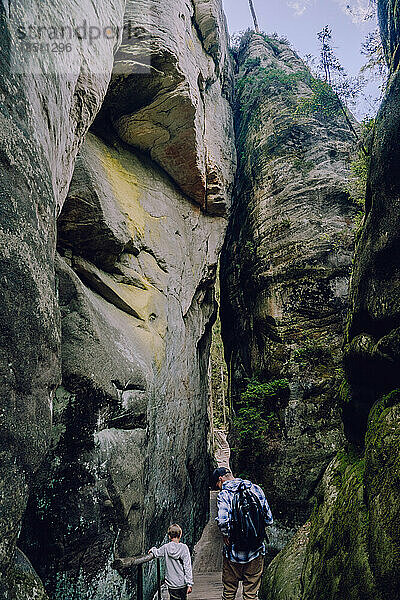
(300, 21)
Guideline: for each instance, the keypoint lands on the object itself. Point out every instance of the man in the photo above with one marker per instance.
(239, 564)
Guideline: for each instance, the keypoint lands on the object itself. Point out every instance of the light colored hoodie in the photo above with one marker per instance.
(178, 564)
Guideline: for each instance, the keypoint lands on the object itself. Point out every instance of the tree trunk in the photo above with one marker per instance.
(253, 14)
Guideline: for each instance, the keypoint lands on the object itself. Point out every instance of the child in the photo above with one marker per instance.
(178, 565)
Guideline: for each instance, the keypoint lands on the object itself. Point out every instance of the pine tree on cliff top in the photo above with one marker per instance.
(253, 14)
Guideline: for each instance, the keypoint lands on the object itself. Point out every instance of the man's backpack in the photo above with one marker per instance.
(247, 520)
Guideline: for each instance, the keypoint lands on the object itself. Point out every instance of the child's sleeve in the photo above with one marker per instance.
(187, 567)
(158, 552)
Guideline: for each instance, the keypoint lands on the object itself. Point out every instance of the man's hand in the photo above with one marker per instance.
(227, 541)
(189, 589)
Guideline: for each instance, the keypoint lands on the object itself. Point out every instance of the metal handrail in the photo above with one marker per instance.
(121, 564)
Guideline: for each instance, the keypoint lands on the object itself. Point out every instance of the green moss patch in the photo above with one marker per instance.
(382, 491)
(337, 564)
(25, 586)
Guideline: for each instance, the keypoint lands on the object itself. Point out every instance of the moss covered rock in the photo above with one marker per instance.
(351, 548)
(283, 577)
(332, 562)
(382, 483)
(25, 585)
(337, 563)
(21, 581)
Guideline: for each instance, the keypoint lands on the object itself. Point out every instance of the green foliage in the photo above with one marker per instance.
(358, 182)
(252, 425)
(264, 394)
(312, 353)
(375, 66)
(333, 90)
(259, 81)
(323, 102)
(274, 40)
(249, 249)
(251, 63)
(219, 373)
(240, 39)
(256, 415)
(359, 167)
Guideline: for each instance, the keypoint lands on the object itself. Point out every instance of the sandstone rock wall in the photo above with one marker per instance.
(353, 544)
(138, 240)
(48, 101)
(285, 273)
(178, 112)
(372, 340)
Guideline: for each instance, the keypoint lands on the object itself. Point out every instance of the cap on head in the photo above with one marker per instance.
(220, 472)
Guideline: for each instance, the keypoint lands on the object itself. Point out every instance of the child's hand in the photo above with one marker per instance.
(189, 589)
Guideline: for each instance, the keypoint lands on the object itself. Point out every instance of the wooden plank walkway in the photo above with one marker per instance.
(207, 555)
(207, 565)
(208, 586)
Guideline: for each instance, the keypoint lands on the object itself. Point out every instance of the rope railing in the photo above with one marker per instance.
(121, 564)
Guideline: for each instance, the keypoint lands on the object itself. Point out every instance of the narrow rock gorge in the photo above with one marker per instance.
(120, 190)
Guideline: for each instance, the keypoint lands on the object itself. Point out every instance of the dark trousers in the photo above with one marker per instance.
(178, 593)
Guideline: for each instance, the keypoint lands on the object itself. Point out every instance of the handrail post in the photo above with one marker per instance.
(140, 582)
(158, 579)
